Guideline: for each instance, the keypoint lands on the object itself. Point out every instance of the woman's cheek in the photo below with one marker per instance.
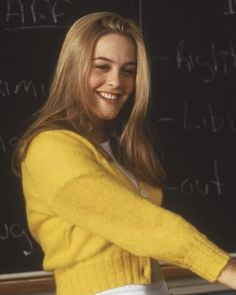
(96, 80)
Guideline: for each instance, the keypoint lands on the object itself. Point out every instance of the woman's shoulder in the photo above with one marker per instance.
(60, 143)
(59, 137)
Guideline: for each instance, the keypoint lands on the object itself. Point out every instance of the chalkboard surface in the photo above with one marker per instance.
(192, 47)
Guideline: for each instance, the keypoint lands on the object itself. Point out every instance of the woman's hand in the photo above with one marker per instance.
(228, 275)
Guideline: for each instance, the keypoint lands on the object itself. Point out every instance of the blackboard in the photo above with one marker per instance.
(193, 56)
(193, 49)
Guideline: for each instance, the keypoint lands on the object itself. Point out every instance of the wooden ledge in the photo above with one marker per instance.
(27, 285)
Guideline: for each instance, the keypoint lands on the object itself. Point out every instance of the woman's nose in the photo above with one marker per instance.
(113, 78)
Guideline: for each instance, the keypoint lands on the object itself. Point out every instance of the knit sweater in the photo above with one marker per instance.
(94, 226)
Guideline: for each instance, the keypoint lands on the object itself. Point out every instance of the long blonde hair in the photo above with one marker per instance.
(68, 103)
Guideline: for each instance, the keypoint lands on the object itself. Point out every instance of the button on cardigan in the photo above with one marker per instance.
(96, 230)
(159, 288)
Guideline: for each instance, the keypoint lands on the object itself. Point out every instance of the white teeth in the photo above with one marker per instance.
(107, 95)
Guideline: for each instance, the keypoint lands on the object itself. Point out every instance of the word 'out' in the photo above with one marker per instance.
(188, 187)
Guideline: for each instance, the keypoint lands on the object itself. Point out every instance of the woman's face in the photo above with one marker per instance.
(112, 75)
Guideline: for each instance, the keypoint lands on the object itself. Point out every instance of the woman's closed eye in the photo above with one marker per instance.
(124, 71)
(103, 67)
(129, 71)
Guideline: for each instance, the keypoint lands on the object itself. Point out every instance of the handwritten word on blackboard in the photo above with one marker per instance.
(10, 89)
(16, 232)
(212, 120)
(214, 58)
(34, 14)
(231, 7)
(7, 145)
(189, 187)
(208, 63)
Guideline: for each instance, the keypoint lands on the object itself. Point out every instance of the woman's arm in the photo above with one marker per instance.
(228, 275)
(63, 176)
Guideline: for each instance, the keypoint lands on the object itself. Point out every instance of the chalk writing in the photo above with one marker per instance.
(216, 122)
(7, 145)
(34, 14)
(188, 187)
(15, 231)
(208, 63)
(36, 90)
(212, 121)
(231, 7)
(220, 60)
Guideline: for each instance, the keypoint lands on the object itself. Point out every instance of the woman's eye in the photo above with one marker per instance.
(102, 67)
(129, 72)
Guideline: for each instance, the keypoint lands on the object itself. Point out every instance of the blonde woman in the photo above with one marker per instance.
(91, 179)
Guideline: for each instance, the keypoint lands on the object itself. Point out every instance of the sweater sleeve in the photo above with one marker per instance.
(76, 187)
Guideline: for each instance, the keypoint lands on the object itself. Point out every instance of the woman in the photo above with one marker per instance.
(92, 182)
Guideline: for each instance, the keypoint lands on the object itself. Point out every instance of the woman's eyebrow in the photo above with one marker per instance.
(110, 60)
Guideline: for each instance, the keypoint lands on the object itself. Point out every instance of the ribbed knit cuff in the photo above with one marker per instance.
(206, 259)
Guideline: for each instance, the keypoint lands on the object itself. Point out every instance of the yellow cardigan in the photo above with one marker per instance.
(95, 228)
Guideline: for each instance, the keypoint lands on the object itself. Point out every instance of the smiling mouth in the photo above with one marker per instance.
(109, 96)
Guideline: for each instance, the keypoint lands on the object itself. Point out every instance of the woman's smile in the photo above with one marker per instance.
(111, 97)
(112, 76)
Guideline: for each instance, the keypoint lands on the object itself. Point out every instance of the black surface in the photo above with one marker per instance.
(192, 47)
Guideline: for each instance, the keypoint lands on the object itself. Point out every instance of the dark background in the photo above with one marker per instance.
(192, 46)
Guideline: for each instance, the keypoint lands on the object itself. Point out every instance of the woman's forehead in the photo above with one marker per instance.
(116, 48)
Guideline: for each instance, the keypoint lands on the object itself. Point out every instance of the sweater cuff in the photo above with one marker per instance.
(206, 259)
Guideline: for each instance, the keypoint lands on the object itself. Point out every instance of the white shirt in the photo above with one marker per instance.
(159, 288)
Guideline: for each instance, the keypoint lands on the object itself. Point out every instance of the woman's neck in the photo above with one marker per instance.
(99, 136)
